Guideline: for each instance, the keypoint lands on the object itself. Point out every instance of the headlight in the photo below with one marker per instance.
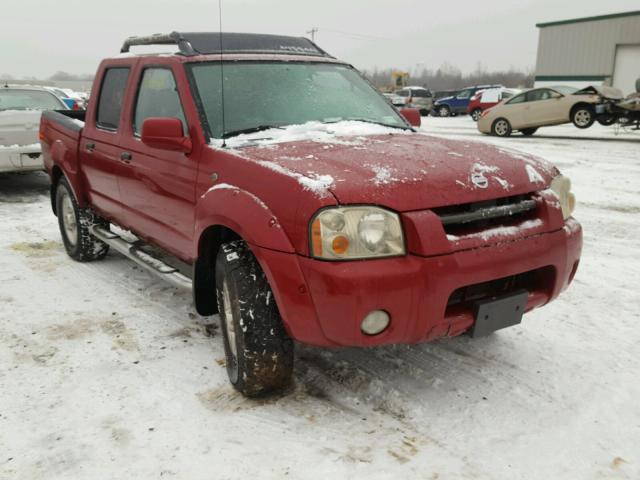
(561, 186)
(348, 233)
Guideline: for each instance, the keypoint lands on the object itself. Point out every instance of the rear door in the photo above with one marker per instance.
(99, 151)
(158, 186)
(544, 107)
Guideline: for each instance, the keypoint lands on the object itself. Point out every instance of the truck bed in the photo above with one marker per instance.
(69, 122)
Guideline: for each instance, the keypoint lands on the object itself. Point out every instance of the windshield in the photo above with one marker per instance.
(28, 100)
(273, 94)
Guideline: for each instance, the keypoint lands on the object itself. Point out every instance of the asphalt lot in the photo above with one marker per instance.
(108, 373)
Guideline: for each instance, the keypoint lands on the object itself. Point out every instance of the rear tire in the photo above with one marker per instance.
(258, 350)
(476, 114)
(501, 127)
(74, 223)
(527, 132)
(582, 116)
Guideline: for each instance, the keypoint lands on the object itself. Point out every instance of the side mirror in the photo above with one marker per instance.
(557, 96)
(165, 133)
(412, 115)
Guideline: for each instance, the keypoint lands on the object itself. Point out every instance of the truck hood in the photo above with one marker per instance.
(405, 171)
(19, 127)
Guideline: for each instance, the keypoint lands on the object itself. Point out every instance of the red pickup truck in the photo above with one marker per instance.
(274, 181)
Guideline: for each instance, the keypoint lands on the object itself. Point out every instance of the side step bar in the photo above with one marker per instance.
(142, 258)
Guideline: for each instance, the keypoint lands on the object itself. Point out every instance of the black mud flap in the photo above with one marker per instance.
(499, 312)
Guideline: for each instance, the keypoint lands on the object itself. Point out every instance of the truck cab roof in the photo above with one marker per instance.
(193, 44)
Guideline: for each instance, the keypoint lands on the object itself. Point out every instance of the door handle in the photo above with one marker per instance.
(90, 146)
(125, 157)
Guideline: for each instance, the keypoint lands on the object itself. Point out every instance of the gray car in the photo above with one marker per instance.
(20, 110)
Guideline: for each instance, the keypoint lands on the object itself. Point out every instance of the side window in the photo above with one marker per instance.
(157, 97)
(402, 93)
(112, 92)
(537, 95)
(516, 99)
(464, 94)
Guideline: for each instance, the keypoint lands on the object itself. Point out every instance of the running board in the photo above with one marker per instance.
(142, 258)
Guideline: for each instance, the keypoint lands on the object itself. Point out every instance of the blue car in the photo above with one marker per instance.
(458, 102)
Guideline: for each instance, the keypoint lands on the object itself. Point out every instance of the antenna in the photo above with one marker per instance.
(224, 143)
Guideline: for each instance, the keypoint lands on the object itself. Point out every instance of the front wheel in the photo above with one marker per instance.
(501, 127)
(259, 352)
(582, 117)
(74, 223)
(444, 111)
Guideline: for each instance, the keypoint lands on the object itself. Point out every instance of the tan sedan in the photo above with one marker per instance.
(540, 107)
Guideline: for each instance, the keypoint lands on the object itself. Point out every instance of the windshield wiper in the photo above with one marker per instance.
(366, 120)
(259, 128)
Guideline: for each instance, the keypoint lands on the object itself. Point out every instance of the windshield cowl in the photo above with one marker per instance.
(343, 132)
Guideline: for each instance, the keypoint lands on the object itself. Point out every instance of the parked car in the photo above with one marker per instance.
(323, 218)
(456, 104)
(20, 110)
(540, 107)
(71, 103)
(417, 97)
(396, 100)
(488, 98)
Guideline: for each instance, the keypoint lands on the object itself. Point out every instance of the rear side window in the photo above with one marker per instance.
(114, 84)
(518, 99)
(157, 97)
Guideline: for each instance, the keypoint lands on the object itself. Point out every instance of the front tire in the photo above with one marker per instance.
(582, 116)
(444, 111)
(259, 352)
(501, 127)
(74, 223)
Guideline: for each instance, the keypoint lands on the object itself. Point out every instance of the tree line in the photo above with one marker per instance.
(448, 77)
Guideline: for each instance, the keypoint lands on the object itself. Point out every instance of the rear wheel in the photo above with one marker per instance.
(444, 111)
(501, 127)
(582, 116)
(259, 352)
(74, 223)
(527, 132)
(476, 114)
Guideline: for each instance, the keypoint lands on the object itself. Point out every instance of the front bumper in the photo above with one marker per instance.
(322, 303)
(21, 158)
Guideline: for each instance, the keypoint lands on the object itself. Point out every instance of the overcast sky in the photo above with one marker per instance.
(40, 37)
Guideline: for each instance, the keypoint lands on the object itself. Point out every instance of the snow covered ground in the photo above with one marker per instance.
(105, 372)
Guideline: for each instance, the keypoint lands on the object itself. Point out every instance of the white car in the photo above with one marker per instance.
(20, 110)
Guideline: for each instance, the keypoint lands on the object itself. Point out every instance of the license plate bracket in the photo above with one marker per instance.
(499, 312)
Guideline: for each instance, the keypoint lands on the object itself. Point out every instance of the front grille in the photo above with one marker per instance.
(462, 219)
(540, 280)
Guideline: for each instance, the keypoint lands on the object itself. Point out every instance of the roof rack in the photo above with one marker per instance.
(204, 43)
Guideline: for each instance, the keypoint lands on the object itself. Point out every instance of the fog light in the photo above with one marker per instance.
(375, 322)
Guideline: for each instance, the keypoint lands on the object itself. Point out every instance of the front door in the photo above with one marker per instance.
(158, 186)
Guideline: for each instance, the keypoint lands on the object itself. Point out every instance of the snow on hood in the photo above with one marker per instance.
(403, 171)
(311, 131)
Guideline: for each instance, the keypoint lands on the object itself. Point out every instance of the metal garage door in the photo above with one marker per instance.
(627, 68)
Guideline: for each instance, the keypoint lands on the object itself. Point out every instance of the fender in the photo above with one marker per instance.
(244, 213)
(227, 207)
(66, 160)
